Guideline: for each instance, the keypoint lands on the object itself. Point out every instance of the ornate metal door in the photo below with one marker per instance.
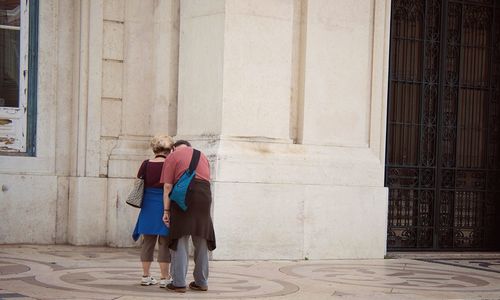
(443, 133)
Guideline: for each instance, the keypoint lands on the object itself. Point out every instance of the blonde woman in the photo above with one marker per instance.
(149, 223)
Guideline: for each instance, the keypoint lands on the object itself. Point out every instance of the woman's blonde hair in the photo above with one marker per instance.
(161, 144)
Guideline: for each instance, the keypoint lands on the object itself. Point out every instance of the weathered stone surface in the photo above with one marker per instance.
(285, 97)
(28, 209)
(113, 40)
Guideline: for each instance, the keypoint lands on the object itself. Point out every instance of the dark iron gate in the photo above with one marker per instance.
(443, 133)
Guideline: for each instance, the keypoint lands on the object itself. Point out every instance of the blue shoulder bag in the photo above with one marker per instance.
(180, 188)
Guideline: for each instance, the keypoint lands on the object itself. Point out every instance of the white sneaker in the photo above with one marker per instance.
(150, 280)
(164, 282)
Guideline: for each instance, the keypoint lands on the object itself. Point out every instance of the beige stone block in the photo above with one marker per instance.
(112, 79)
(126, 167)
(112, 40)
(127, 156)
(275, 9)
(138, 83)
(257, 72)
(255, 161)
(139, 11)
(258, 221)
(62, 207)
(111, 117)
(165, 67)
(201, 8)
(121, 217)
(114, 10)
(338, 72)
(28, 206)
(87, 211)
(201, 60)
(342, 222)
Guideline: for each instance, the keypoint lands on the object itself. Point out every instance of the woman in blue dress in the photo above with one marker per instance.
(149, 223)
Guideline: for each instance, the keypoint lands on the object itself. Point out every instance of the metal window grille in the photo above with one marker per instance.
(443, 133)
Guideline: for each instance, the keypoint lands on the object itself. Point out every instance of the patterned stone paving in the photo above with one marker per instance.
(409, 277)
(7, 295)
(67, 272)
(490, 265)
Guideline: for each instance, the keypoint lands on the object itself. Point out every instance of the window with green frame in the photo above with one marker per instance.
(18, 76)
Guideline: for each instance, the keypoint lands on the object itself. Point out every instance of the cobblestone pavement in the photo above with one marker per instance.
(69, 272)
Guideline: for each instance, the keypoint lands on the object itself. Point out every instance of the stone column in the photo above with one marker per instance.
(136, 88)
(87, 191)
(255, 75)
(257, 69)
(345, 63)
(148, 98)
(235, 86)
(201, 58)
(338, 64)
(165, 67)
(235, 69)
(149, 86)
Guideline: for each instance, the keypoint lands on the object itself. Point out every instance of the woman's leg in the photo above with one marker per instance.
(147, 251)
(164, 257)
(165, 270)
(146, 266)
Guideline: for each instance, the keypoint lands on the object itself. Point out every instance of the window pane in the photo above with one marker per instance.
(9, 67)
(10, 12)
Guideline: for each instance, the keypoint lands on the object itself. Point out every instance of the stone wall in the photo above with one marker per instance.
(291, 102)
(286, 97)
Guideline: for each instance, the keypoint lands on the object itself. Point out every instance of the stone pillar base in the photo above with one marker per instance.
(121, 217)
(87, 211)
(278, 200)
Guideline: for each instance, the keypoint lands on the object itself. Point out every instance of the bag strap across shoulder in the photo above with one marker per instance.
(194, 160)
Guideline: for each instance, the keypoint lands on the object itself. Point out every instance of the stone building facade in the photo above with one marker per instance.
(286, 97)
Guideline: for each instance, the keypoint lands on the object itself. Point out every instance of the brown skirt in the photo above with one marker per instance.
(196, 221)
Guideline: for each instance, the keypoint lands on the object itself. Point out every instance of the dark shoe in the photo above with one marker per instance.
(196, 287)
(177, 289)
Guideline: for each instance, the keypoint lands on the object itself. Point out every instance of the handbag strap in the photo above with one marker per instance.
(194, 160)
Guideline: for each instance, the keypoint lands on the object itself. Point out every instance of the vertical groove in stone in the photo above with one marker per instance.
(166, 66)
(298, 60)
(174, 57)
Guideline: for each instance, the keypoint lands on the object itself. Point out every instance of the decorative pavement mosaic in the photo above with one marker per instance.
(69, 272)
(490, 265)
